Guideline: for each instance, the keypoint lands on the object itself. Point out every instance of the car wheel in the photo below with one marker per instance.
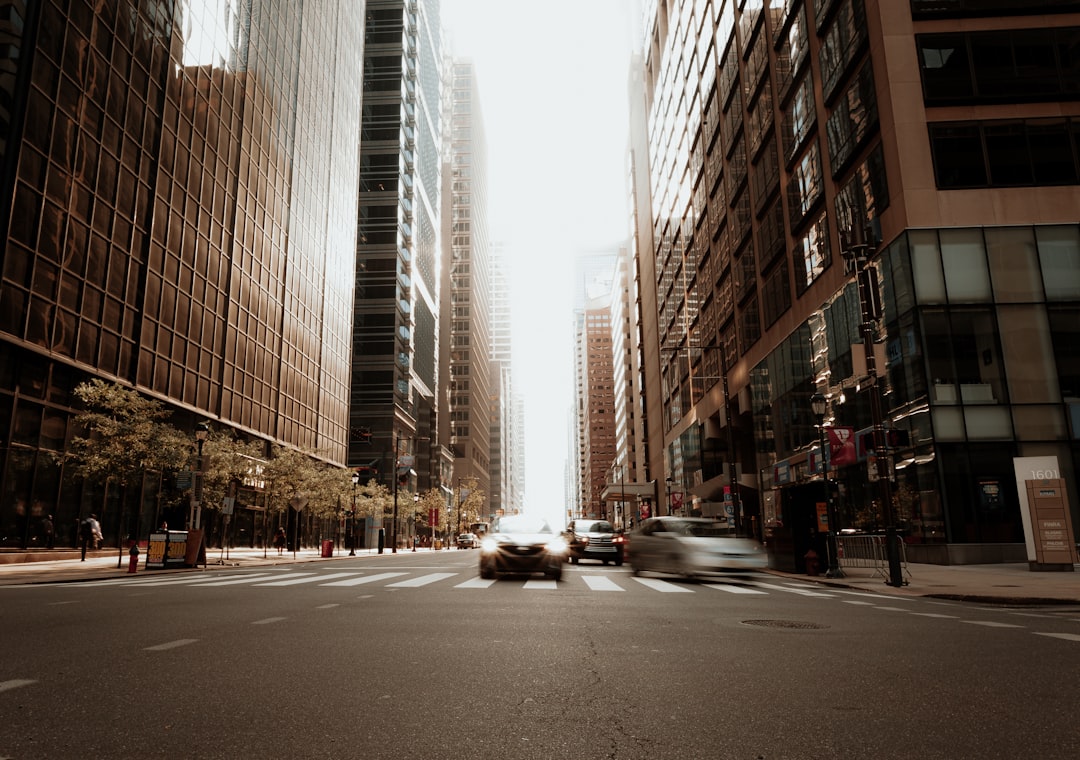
(573, 560)
(618, 561)
(634, 569)
(487, 572)
(555, 575)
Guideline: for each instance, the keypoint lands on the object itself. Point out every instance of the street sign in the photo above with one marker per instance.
(227, 505)
(729, 509)
(298, 502)
(183, 480)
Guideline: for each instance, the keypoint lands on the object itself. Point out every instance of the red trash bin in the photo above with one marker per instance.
(328, 548)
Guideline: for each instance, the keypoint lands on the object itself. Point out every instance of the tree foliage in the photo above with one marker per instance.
(127, 435)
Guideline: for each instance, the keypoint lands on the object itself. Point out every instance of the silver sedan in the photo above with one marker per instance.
(692, 546)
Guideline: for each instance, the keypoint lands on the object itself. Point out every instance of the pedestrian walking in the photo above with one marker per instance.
(279, 540)
(89, 532)
(49, 530)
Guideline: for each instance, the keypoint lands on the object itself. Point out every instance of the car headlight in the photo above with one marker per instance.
(489, 545)
(556, 546)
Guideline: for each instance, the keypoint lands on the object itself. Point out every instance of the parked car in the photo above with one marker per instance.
(468, 541)
(522, 544)
(692, 546)
(594, 539)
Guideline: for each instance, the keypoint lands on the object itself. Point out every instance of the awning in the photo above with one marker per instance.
(628, 491)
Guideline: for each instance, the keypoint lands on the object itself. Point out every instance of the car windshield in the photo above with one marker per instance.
(599, 526)
(522, 524)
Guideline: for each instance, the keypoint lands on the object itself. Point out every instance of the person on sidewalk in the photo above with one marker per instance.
(49, 530)
(89, 530)
(279, 541)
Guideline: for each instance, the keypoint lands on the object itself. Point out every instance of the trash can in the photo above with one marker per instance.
(327, 548)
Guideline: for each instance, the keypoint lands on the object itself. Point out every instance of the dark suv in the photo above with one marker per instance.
(589, 538)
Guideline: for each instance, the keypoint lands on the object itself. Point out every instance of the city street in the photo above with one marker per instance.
(413, 656)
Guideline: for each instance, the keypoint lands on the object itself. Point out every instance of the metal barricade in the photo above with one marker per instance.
(868, 551)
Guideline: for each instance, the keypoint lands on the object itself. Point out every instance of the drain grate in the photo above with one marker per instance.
(799, 624)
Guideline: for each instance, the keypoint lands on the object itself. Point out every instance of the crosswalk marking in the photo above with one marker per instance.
(423, 580)
(1066, 636)
(364, 579)
(544, 585)
(799, 591)
(991, 624)
(601, 583)
(314, 579)
(476, 583)
(733, 589)
(663, 586)
(15, 683)
(248, 580)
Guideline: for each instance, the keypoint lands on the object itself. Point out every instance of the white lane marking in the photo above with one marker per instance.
(1066, 636)
(658, 585)
(991, 624)
(1034, 615)
(934, 615)
(364, 579)
(893, 609)
(543, 585)
(310, 579)
(733, 589)
(799, 591)
(264, 621)
(327, 606)
(872, 595)
(15, 683)
(169, 645)
(601, 583)
(423, 580)
(234, 581)
(858, 601)
(476, 583)
(170, 581)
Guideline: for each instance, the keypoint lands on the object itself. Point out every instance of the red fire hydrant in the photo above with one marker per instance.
(133, 557)
(811, 562)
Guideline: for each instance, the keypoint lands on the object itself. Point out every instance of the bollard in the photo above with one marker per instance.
(133, 554)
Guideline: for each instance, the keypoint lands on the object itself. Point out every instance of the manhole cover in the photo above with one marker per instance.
(785, 624)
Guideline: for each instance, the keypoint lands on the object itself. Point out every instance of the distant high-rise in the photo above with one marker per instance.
(467, 284)
(395, 338)
(506, 469)
(179, 217)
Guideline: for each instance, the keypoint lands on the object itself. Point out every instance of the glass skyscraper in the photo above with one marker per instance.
(180, 184)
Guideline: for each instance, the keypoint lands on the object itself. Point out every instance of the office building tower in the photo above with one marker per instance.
(179, 218)
(393, 404)
(875, 202)
(467, 285)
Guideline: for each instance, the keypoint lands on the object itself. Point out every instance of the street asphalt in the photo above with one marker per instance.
(1005, 583)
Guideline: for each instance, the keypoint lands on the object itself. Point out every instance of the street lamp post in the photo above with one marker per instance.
(202, 431)
(352, 533)
(820, 404)
(857, 254)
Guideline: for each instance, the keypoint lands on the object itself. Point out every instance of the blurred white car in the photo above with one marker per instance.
(692, 546)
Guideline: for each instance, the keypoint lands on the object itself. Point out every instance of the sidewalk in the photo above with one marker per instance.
(1011, 583)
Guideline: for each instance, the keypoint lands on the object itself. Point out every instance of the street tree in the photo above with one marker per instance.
(126, 437)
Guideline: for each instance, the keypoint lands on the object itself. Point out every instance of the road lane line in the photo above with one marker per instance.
(327, 606)
(423, 580)
(799, 591)
(264, 621)
(1066, 636)
(991, 624)
(15, 683)
(733, 589)
(658, 585)
(934, 615)
(169, 645)
(364, 579)
(476, 583)
(543, 585)
(601, 583)
(235, 581)
(857, 601)
(311, 579)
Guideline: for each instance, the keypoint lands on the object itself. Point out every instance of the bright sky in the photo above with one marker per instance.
(553, 87)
